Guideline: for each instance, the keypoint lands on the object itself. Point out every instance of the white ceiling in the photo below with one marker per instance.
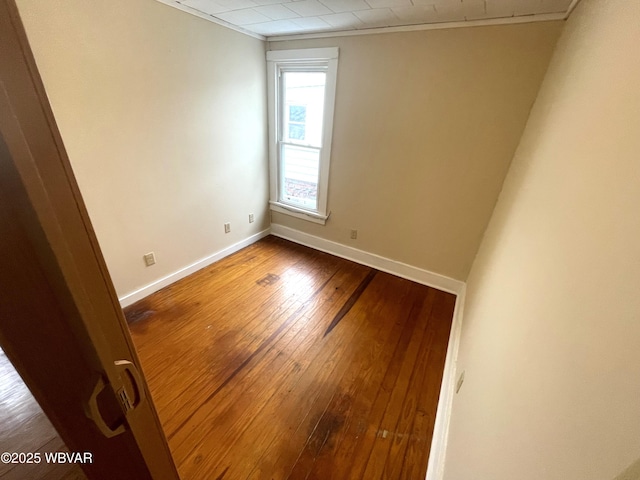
(271, 18)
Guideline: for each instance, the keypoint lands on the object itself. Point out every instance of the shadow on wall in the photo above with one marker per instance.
(631, 473)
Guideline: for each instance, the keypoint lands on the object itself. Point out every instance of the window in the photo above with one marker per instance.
(302, 86)
(296, 122)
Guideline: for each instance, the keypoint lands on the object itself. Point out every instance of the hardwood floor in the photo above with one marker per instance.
(283, 362)
(25, 428)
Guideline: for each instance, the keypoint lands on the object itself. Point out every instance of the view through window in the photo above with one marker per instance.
(302, 136)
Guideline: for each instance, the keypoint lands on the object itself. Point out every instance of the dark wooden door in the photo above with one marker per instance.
(60, 321)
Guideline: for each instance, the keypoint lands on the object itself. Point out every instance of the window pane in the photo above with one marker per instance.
(297, 113)
(296, 131)
(304, 107)
(300, 168)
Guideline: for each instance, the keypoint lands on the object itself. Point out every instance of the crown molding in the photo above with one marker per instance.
(211, 18)
(547, 17)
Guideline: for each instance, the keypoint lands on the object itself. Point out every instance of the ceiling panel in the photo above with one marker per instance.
(291, 17)
(308, 8)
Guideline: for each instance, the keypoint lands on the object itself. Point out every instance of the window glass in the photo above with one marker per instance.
(300, 175)
(304, 107)
(297, 122)
(301, 98)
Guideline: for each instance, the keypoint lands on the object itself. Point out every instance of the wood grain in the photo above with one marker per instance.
(25, 428)
(284, 362)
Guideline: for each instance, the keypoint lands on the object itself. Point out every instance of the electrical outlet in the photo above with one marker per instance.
(354, 234)
(149, 259)
(227, 227)
(251, 218)
(460, 381)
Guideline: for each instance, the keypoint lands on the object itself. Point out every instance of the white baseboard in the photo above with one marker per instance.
(418, 275)
(139, 294)
(435, 468)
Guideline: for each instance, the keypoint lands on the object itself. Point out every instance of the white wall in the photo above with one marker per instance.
(426, 124)
(551, 334)
(163, 116)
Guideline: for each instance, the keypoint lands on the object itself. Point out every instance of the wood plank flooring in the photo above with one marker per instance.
(25, 428)
(282, 362)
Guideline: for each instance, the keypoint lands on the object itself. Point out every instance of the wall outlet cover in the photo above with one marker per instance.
(149, 259)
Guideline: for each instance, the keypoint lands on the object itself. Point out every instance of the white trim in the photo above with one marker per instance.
(424, 277)
(437, 454)
(544, 17)
(211, 18)
(147, 290)
(272, 128)
(327, 130)
(435, 468)
(277, 60)
(323, 54)
(298, 212)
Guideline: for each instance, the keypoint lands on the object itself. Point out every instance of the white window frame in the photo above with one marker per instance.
(325, 59)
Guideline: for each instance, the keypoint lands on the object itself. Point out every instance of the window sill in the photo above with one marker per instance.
(298, 213)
